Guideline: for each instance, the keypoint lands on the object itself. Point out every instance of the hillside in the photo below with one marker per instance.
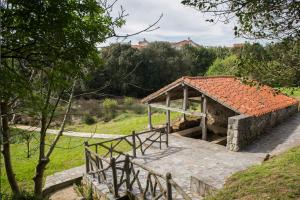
(277, 178)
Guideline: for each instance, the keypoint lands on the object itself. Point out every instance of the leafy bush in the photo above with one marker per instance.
(128, 101)
(89, 120)
(139, 109)
(110, 109)
(226, 66)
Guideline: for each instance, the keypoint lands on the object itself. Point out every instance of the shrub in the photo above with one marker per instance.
(226, 66)
(89, 120)
(128, 101)
(139, 109)
(110, 109)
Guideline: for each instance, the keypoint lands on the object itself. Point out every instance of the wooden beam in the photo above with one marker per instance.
(168, 113)
(204, 119)
(149, 117)
(195, 100)
(199, 114)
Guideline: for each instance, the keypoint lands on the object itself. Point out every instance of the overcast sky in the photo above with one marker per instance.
(178, 23)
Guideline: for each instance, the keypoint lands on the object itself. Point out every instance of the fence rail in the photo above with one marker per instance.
(136, 141)
(124, 176)
(128, 177)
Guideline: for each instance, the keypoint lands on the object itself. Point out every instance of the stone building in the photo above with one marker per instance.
(229, 109)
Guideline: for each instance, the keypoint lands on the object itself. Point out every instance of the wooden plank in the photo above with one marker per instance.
(188, 132)
(219, 140)
(195, 100)
(204, 120)
(199, 114)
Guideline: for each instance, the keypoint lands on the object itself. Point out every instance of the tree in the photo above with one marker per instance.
(120, 62)
(275, 64)
(275, 19)
(226, 66)
(199, 59)
(162, 64)
(46, 46)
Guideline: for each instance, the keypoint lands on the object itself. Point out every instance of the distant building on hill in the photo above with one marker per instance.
(177, 45)
(238, 45)
(141, 44)
(181, 44)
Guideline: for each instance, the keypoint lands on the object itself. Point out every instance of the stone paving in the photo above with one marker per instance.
(278, 139)
(72, 133)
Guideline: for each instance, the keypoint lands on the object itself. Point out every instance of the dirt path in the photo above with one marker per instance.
(71, 133)
(65, 194)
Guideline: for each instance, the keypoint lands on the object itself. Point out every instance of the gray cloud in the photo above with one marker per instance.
(179, 22)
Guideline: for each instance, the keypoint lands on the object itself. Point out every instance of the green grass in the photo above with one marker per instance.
(123, 124)
(278, 178)
(291, 91)
(69, 153)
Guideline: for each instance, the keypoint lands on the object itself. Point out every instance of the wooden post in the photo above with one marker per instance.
(98, 168)
(133, 144)
(111, 150)
(87, 166)
(149, 118)
(127, 171)
(114, 176)
(167, 134)
(185, 100)
(204, 119)
(169, 186)
(159, 139)
(168, 113)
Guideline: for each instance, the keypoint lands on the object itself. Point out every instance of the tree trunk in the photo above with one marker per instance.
(6, 149)
(44, 159)
(42, 162)
(38, 178)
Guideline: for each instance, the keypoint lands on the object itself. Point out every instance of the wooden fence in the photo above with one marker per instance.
(124, 176)
(137, 142)
(127, 177)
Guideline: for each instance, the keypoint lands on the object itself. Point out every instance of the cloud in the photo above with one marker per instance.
(179, 22)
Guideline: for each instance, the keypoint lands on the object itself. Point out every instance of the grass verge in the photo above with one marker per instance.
(278, 178)
(69, 153)
(124, 124)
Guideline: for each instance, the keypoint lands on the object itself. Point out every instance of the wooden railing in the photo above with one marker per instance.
(128, 177)
(136, 141)
(124, 176)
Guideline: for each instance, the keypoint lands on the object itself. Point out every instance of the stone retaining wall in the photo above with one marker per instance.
(243, 129)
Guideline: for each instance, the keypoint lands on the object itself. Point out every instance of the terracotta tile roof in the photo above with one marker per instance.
(234, 94)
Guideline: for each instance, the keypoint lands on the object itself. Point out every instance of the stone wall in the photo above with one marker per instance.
(243, 129)
(217, 117)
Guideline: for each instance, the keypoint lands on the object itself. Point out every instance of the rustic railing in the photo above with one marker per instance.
(121, 174)
(128, 177)
(137, 142)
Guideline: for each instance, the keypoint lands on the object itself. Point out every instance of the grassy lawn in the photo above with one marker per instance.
(69, 153)
(278, 178)
(291, 91)
(123, 124)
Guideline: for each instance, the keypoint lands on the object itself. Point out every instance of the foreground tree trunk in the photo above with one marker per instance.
(45, 158)
(6, 149)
